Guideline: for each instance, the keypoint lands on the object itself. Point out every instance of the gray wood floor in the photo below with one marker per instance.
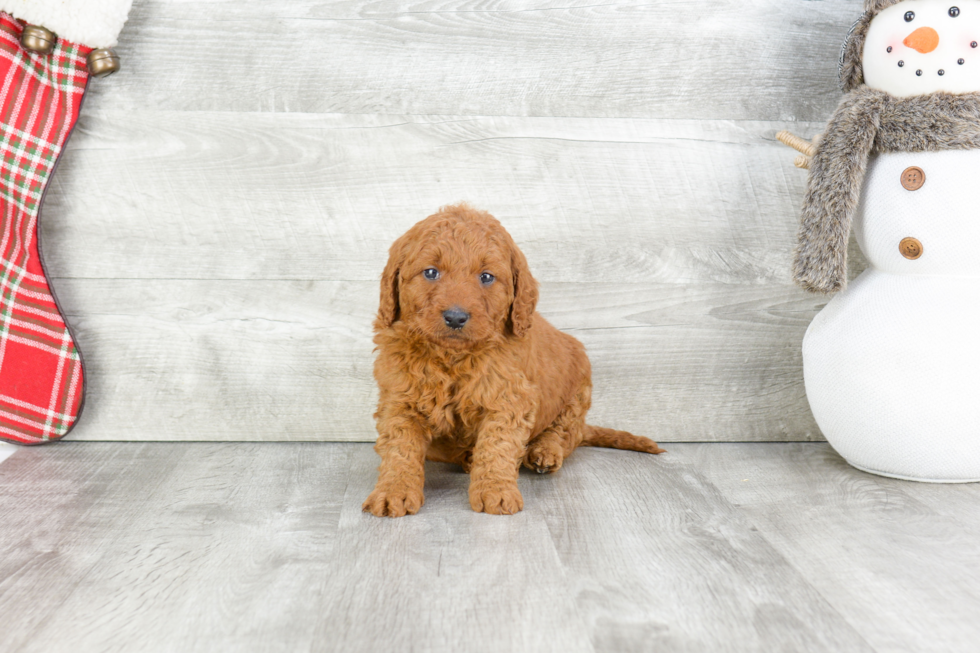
(263, 547)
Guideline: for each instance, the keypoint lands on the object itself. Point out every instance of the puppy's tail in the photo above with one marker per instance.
(597, 436)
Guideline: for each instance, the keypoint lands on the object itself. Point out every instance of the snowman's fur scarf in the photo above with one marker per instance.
(869, 122)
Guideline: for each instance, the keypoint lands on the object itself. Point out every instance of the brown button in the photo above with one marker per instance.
(910, 248)
(913, 178)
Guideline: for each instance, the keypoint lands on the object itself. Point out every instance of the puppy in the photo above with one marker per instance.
(469, 373)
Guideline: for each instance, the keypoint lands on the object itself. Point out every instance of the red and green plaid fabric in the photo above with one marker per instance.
(40, 369)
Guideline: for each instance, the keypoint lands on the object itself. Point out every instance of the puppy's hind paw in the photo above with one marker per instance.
(393, 502)
(544, 457)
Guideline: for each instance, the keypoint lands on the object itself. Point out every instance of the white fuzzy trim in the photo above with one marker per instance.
(95, 23)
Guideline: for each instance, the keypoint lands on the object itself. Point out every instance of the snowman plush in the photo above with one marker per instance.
(892, 364)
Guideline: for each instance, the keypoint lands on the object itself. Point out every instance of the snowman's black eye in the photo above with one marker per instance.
(918, 73)
(889, 48)
(431, 274)
(942, 72)
(954, 11)
(901, 63)
(909, 16)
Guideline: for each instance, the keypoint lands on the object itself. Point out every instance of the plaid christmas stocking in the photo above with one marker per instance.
(40, 369)
(41, 380)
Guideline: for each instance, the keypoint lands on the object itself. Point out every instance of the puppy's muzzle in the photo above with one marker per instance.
(455, 318)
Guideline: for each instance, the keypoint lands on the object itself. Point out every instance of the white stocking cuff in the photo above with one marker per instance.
(95, 23)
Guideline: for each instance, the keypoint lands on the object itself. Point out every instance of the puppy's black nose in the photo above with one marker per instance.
(455, 317)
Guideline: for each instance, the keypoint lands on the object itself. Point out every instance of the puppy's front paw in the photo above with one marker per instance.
(496, 498)
(393, 501)
(544, 456)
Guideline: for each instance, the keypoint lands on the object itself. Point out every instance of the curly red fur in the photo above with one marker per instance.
(506, 388)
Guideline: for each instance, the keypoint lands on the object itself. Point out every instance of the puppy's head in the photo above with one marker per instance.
(458, 279)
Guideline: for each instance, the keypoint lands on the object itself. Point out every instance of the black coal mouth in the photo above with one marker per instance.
(919, 72)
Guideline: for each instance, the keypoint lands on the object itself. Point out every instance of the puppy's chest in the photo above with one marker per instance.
(452, 401)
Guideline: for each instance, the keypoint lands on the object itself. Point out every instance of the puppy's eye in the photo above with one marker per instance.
(954, 11)
(431, 274)
(486, 278)
(909, 16)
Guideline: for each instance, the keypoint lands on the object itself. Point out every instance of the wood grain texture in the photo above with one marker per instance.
(231, 297)
(897, 559)
(169, 195)
(292, 360)
(769, 59)
(163, 547)
(683, 570)
(224, 209)
(456, 581)
(263, 547)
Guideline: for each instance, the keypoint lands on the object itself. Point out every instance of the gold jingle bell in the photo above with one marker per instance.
(102, 62)
(38, 39)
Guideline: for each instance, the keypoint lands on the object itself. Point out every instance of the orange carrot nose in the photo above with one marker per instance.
(924, 39)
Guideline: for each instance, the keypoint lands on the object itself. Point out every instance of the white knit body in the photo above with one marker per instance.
(892, 364)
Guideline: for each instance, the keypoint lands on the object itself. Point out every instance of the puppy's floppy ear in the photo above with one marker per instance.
(388, 307)
(525, 293)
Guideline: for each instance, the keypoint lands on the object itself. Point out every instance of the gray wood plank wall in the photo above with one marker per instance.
(218, 223)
